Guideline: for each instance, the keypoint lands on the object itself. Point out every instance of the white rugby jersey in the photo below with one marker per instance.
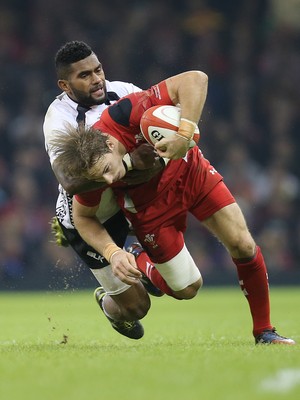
(63, 112)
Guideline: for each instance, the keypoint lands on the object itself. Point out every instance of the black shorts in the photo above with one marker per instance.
(118, 228)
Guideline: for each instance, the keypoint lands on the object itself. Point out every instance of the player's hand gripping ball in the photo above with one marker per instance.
(161, 122)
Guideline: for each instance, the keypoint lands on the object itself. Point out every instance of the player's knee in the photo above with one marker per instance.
(134, 303)
(136, 310)
(190, 291)
(242, 246)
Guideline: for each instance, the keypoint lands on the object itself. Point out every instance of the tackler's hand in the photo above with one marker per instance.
(144, 157)
(124, 267)
(142, 165)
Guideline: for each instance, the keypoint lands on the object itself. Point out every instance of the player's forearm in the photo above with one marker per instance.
(89, 227)
(74, 185)
(92, 232)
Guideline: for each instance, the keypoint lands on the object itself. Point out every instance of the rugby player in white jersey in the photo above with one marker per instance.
(85, 94)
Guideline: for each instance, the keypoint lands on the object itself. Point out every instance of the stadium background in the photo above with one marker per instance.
(250, 51)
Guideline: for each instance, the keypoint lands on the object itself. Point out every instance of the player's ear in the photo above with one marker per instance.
(63, 85)
(110, 144)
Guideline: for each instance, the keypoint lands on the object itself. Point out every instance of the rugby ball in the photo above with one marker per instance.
(161, 122)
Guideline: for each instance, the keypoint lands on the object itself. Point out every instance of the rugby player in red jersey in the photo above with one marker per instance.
(158, 209)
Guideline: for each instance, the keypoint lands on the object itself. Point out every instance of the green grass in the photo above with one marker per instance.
(196, 349)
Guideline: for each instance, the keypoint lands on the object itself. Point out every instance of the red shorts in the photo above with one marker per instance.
(191, 185)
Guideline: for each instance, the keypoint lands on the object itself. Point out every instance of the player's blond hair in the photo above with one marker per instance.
(78, 149)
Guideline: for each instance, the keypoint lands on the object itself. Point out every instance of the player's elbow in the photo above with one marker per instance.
(200, 79)
(69, 184)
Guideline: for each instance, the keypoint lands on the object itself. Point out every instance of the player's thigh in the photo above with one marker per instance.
(230, 227)
(180, 271)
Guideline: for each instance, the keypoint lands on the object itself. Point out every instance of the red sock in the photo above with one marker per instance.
(253, 279)
(145, 265)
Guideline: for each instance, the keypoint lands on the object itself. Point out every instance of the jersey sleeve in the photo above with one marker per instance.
(90, 199)
(123, 88)
(155, 96)
(56, 121)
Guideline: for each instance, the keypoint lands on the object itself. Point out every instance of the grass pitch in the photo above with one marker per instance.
(59, 346)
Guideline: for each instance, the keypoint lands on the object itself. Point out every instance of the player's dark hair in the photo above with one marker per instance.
(68, 54)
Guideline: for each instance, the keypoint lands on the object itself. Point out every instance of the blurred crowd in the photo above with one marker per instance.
(250, 51)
